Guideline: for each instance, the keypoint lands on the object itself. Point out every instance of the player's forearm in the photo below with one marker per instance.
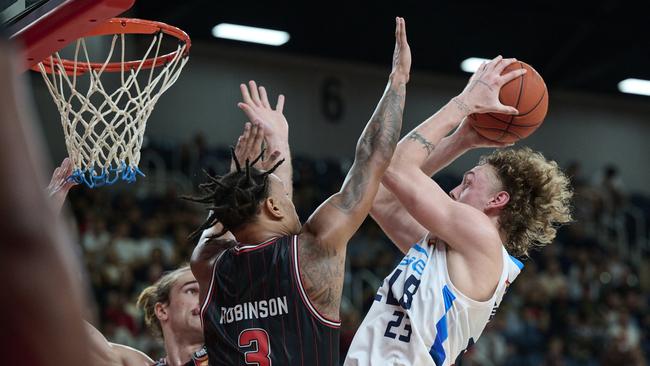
(378, 141)
(130, 356)
(374, 149)
(419, 145)
(447, 150)
(285, 170)
(434, 152)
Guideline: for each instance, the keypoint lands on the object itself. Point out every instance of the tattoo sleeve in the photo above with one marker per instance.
(375, 147)
(323, 244)
(426, 144)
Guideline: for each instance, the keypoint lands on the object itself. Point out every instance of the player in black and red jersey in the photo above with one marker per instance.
(271, 286)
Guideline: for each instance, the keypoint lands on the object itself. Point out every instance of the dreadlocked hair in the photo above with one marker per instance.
(540, 197)
(233, 199)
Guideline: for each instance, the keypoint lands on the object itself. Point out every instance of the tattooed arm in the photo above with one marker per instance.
(387, 211)
(428, 149)
(424, 200)
(323, 240)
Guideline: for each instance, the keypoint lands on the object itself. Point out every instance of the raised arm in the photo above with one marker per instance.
(438, 151)
(59, 185)
(392, 216)
(325, 235)
(403, 230)
(104, 353)
(36, 253)
(257, 108)
(425, 201)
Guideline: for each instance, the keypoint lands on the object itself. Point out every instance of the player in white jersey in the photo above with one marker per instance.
(437, 301)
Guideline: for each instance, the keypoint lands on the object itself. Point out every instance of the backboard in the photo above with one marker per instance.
(42, 27)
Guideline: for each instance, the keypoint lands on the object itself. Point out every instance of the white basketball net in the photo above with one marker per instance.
(104, 129)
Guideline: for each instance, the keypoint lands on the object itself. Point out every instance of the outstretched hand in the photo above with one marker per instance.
(258, 110)
(59, 185)
(481, 95)
(249, 147)
(402, 52)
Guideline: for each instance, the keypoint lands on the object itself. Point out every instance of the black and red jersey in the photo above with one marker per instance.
(257, 312)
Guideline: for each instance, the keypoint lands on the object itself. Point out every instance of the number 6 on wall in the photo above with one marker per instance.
(259, 338)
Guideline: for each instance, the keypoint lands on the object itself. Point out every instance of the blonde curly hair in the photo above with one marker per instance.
(158, 293)
(540, 198)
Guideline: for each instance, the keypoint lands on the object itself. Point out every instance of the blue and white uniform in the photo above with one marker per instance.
(420, 318)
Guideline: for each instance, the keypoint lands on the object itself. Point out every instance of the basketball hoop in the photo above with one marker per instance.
(104, 137)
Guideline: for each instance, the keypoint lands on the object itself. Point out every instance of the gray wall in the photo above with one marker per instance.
(593, 129)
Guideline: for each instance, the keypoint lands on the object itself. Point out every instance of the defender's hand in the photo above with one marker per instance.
(402, 53)
(249, 146)
(257, 108)
(59, 185)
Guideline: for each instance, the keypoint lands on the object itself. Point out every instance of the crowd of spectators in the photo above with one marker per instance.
(579, 301)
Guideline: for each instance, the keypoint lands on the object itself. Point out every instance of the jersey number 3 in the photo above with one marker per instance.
(258, 338)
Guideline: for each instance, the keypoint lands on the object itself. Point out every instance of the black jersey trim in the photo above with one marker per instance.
(303, 294)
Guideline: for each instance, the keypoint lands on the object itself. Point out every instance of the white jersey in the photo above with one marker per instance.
(420, 318)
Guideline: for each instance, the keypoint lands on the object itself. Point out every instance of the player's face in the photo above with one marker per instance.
(279, 192)
(184, 310)
(477, 188)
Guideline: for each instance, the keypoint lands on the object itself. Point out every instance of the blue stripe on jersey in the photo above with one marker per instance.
(437, 352)
(421, 250)
(517, 262)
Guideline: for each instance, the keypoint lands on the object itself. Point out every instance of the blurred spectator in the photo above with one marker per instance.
(125, 246)
(96, 237)
(612, 189)
(153, 239)
(553, 280)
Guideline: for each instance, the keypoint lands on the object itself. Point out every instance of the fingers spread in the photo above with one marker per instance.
(247, 130)
(244, 94)
(248, 110)
(503, 64)
(494, 63)
(243, 140)
(511, 76)
(280, 106)
(254, 93)
(250, 142)
(258, 138)
(264, 97)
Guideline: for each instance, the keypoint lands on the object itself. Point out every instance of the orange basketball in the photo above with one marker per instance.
(528, 94)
